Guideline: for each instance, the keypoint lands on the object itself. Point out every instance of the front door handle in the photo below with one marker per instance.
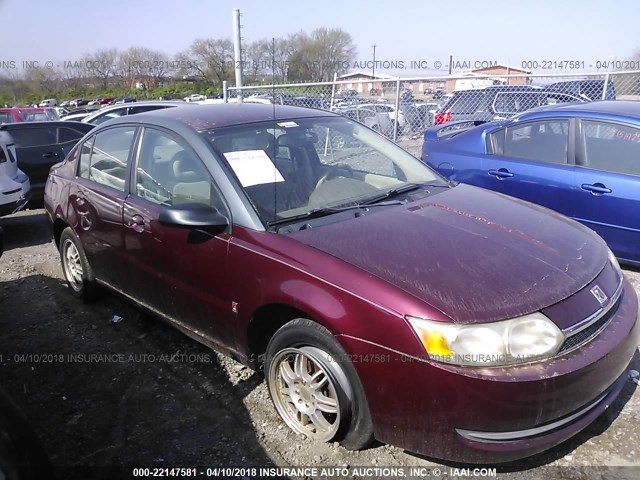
(501, 173)
(596, 188)
(137, 223)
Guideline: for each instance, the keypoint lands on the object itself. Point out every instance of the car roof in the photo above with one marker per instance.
(205, 117)
(626, 108)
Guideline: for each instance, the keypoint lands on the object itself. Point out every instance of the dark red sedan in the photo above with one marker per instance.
(381, 300)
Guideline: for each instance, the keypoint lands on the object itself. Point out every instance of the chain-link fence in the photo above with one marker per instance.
(402, 108)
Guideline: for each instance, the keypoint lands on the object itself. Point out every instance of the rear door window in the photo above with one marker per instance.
(109, 157)
(34, 137)
(543, 141)
(610, 147)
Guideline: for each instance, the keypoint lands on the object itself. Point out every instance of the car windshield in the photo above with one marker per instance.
(290, 168)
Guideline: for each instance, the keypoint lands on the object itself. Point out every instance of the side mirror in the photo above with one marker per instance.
(194, 216)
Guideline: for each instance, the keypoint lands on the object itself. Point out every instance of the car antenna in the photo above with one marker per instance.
(273, 103)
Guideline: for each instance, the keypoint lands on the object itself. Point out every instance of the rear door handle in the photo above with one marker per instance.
(596, 188)
(49, 154)
(79, 198)
(501, 173)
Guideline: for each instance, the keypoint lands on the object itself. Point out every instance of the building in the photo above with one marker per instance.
(498, 74)
(367, 82)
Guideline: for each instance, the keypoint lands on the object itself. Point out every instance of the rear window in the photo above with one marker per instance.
(466, 102)
(6, 117)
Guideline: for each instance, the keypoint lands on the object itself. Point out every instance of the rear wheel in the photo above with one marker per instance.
(75, 267)
(315, 388)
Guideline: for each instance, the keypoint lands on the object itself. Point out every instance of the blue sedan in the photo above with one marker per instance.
(581, 159)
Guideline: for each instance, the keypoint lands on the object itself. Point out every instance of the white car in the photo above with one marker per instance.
(49, 102)
(387, 108)
(74, 117)
(196, 97)
(15, 188)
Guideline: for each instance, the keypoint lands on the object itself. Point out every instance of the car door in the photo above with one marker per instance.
(97, 198)
(608, 182)
(532, 161)
(36, 150)
(177, 272)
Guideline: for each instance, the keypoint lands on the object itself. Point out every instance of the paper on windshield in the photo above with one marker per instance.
(253, 167)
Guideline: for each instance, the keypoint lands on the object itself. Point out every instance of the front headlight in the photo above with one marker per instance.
(614, 261)
(518, 340)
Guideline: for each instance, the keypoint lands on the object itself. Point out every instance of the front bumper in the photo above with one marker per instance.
(496, 414)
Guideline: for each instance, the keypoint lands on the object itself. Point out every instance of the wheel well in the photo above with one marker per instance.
(58, 228)
(264, 323)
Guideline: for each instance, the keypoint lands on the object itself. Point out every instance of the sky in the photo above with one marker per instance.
(504, 31)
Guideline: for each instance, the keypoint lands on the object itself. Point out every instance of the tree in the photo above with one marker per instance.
(143, 65)
(209, 59)
(102, 66)
(318, 56)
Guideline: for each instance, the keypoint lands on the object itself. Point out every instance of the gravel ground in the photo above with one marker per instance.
(150, 396)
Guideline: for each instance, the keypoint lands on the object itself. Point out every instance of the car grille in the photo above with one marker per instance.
(594, 326)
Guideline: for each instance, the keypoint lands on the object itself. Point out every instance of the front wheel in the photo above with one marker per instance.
(314, 386)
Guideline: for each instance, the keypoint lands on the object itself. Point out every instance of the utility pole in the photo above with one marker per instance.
(237, 51)
(373, 69)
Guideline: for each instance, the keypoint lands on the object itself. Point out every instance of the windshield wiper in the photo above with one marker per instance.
(324, 211)
(394, 192)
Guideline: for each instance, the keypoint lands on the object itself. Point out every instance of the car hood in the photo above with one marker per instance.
(475, 255)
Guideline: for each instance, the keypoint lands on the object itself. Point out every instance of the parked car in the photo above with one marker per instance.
(79, 102)
(74, 117)
(15, 189)
(86, 110)
(1, 241)
(62, 112)
(49, 102)
(387, 109)
(39, 145)
(27, 114)
(438, 93)
(497, 102)
(66, 103)
(115, 111)
(588, 90)
(101, 101)
(381, 300)
(427, 112)
(195, 97)
(580, 160)
(378, 121)
(123, 100)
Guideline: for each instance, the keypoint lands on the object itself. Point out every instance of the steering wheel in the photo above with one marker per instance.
(336, 171)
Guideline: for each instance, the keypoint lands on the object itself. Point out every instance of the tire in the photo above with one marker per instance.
(336, 408)
(75, 267)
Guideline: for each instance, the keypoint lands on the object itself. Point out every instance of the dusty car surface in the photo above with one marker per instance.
(382, 301)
